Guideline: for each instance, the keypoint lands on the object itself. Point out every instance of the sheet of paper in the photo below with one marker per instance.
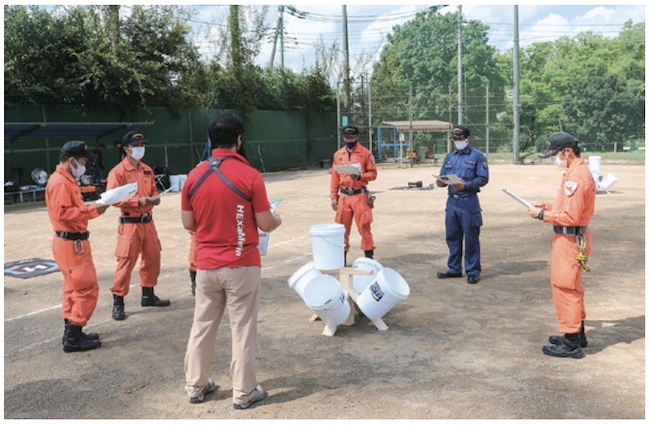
(263, 245)
(522, 201)
(449, 178)
(118, 194)
(349, 169)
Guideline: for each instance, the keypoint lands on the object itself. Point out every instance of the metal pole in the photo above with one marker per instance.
(369, 117)
(487, 119)
(338, 115)
(515, 106)
(282, 37)
(346, 57)
(460, 65)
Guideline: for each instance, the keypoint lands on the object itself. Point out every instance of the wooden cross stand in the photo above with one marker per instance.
(347, 285)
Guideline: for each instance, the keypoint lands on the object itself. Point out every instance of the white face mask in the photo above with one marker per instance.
(79, 171)
(562, 163)
(137, 152)
(460, 144)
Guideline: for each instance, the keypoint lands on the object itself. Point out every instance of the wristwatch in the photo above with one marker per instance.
(540, 216)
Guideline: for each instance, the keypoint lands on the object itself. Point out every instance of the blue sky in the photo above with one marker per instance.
(369, 24)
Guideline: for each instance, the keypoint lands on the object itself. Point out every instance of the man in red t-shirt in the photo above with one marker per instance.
(224, 202)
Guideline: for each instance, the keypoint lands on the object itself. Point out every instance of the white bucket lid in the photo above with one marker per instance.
(326, 229)
(300, 273)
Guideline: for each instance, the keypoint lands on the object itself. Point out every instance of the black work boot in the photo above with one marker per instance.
(569, 346)
(89, 336)
(75, 340)
(582, 338)
(151, 300)
(118, 307)
(369, 254)
(193, 279)
(345, 258)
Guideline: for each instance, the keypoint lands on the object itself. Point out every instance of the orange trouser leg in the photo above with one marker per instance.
(80, 287)
(568, 294)
(356, 206)
(150, 260)
(132, 240)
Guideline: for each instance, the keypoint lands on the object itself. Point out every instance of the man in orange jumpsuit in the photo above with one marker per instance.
(570, 215)
(137, 235)
(348, 192)
(71, 248)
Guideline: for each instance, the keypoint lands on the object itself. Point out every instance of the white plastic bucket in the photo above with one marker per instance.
(301, 277)
(175, 183)
(594, 163)
(361, 282)
(328, 246)
(608, 182)
(388, 288)
(323, 294)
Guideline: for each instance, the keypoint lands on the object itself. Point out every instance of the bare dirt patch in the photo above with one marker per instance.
(452, 350)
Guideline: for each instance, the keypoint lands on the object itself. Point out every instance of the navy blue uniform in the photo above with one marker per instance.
(463, 212)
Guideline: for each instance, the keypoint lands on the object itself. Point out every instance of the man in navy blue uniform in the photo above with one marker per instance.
(463, 212)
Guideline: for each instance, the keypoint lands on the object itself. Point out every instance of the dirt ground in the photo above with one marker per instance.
(452, 350)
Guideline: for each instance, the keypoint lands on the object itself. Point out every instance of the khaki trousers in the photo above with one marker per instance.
(237, 289)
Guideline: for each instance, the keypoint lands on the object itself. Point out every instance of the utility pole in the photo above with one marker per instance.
(515, 105)
(460, 65)
(369, 117)
(487, 119)
(279, 30)
(346, 59)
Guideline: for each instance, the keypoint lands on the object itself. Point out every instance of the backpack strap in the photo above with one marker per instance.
(214, 166)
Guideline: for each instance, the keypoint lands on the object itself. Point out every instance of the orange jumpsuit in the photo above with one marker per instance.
(573, 206)
(354, 206)
(135, 239)
(68, 213)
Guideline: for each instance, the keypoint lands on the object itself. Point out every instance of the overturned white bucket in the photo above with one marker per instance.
(361, 282)
(175, 183)
(387, 289)
(323, 294)
(608, 182)
(328, 246)
(301, 277)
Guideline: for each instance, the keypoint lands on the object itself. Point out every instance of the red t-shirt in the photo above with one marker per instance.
(226, 231)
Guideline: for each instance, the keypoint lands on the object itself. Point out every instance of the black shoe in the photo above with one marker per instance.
(472, 279)
(91, 335)
(565, 348)
(118, 312)
(149, 299)
(259, 394)
(75, 340)
(447, 275)
(118, 308)
(210, 386)
(369, 253)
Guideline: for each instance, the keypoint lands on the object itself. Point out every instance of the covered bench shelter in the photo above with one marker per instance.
(406, 127)
(14, 131)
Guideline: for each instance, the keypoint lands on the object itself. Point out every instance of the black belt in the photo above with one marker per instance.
(351, 191)
(569, 230)
(73, 236)
(457, 196)
(142, 219)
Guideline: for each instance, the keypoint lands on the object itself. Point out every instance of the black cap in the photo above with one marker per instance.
(133, 137)
(460, 131)
(76, 149)
(557, 142)
(350, 130)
